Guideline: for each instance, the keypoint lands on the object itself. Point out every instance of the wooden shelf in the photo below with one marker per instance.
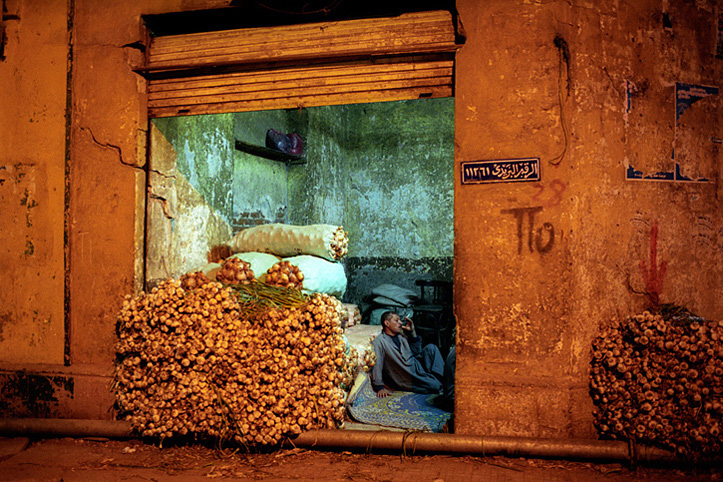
(273, 154)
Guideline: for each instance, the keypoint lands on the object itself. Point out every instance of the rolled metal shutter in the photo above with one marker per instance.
(346, 62)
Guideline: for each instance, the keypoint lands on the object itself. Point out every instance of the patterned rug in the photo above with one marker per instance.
(412, 411)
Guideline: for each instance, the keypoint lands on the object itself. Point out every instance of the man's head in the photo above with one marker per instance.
(392, 324)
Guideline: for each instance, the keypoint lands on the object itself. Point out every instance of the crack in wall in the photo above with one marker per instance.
(164, 204)
(112, 147)
(162, 174)
(135, 45)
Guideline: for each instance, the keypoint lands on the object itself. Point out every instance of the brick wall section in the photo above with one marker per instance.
(250, 219)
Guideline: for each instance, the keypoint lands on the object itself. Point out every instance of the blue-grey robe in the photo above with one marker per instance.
(409, 367)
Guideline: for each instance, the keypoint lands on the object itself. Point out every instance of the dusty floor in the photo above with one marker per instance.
(71, 460)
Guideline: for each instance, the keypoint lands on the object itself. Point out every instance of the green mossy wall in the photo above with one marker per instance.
(260, 187)
(181, 225)
(205, 155)
(383, 171)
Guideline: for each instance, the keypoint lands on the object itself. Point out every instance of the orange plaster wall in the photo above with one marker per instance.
(526, 317)
(108, 151)
(105, 201)
(32, 153)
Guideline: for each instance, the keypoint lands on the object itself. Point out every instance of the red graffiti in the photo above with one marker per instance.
(653, 274)
(557, 187)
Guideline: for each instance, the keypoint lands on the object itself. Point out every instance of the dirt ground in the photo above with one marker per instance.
(81, 460)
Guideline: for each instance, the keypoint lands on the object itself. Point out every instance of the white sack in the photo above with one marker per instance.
(320, 275)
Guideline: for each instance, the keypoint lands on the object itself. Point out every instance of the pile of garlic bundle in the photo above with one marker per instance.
(285, 275)
(235, 271)
(658, 379)
(350, 316)
(339, 245)
(369, 359)
(250, 363)
(196, 279)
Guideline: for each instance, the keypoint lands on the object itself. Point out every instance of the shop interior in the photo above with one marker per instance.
(382, 171)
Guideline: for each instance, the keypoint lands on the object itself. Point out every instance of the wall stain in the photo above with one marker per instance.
(5, 320)
(654, 272)
(29, 248)
(552, 193)
(31, 395)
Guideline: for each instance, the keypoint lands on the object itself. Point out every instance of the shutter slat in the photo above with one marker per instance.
(431, 32)
(303, 101)
(294, 87)
(290, 89)
(254, 45)
(298, 53)
(370, 60)
(407, 24)
(299, 77)
(332, 69)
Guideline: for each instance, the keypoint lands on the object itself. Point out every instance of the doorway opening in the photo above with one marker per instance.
(383, 171)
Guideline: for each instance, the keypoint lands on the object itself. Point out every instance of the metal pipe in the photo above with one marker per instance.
(64, 427)
(423, 442)
(409, 443)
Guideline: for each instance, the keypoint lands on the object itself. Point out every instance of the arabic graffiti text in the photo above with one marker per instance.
(539, 239)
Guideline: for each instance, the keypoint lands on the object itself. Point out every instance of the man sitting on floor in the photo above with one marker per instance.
(401, 362)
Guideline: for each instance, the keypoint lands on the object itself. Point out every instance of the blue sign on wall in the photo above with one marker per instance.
(501, 170)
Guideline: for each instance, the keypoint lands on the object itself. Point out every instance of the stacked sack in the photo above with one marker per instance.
(323, 240)
(308, 255)
(301, 257)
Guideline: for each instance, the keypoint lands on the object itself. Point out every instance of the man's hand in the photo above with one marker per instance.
(382, 393)
(409, 326)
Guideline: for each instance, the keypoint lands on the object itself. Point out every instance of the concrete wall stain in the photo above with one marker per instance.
(30, 395)
(205, 156)
(182, 225)
(5, 319)
(25, 256)
(383, 171)
(653, 272)
(260, 187)
(549, 194)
